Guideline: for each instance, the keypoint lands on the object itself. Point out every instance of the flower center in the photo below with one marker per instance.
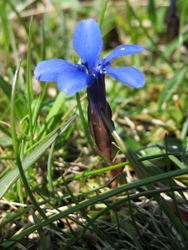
(101, 66)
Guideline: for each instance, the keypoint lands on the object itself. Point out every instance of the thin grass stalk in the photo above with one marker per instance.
(6, 29)
(19, 182)
(50, 171)
(103, 211)
(6, 169)
(116, 217)
(6, 157)
(171, 183)
(180, 38)
(43, 43)
(13, 122)
(106, 169)
(50, 134)
(87, 133)
(89, 221)
(28, 85)
(102, 13)
(15, 146)
(44, 242)
(9, 179)
(101, 197)
(21, 20)
(135, 240)
(134, 197)
(47, 125)
(19, 17)
(69, 226)
(73, 107)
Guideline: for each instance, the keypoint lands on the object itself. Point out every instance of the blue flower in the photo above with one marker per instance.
(72, 78)
(87, 43)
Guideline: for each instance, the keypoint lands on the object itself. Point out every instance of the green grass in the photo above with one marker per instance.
(55, 192)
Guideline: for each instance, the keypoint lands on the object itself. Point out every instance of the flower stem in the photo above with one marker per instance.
(87, 133)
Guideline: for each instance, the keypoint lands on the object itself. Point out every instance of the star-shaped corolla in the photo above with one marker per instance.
(87, 43)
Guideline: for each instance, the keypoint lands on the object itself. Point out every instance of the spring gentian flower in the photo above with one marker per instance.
(71, 78)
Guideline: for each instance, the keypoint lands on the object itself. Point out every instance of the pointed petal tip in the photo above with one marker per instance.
(87, 41)
(128, 75)
(49, 70)
(123, 50)
(140, 84)
(141, 48)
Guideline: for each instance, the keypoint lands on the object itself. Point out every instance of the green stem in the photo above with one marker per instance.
(28, 81)
(50, 171)
(87, 133)
(102, 12)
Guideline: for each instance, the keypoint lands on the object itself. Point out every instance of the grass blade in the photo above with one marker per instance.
(171, 86)
(100, 197)
(28, 84)
(9, 179)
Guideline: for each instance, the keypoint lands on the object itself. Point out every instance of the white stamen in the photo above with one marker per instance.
(123, 49)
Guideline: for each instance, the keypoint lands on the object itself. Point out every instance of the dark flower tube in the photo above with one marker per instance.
(100, 134)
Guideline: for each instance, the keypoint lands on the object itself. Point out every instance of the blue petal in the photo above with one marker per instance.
(87, 41)
(127, 75)
(49, 70)
(123, 50)
(70, 82)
